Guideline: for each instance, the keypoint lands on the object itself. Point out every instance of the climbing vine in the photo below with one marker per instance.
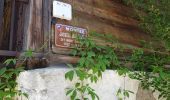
(148, 68)
(153, 16)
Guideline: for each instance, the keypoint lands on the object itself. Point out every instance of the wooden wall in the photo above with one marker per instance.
(5, 19)
(105, 17)
(33, 27)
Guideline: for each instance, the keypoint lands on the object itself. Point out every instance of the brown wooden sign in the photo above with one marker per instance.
(65, 35)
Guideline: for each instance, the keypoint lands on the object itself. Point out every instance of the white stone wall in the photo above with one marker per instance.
(50, 84)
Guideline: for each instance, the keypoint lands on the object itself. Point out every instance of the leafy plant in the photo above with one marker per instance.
(148, 68)
(154, 18)
(8, 75)
(122, 94)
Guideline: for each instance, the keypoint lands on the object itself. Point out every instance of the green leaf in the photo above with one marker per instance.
(70, 66)
(77, 85)
(82, 61)
(69, 75)
(81, 74)
(91, 54)
(28, 54)
(103, 68)
(2, 71)
(69, 92)
(74, 52)
(85, 99)
(73, 96)
(126, 94)
(10, 61)
(25, 94)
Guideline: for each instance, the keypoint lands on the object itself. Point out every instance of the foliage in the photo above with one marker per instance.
(122, 94)
(154, 18)
(152, 73)
(94, 59)
(148, 68)
(8, 75)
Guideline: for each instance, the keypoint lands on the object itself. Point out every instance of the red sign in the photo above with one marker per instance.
(65, 35)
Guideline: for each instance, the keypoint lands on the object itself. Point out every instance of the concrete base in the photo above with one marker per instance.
(50, 84)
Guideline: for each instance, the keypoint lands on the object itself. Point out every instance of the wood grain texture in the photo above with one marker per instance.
(102, 16)
(34, 33)
(107, 9)
(25, 1)
(1, 13)
(5, 34)
(20, 24)
(46, 25)
(126, 35)
(105, 17)
(12, 24)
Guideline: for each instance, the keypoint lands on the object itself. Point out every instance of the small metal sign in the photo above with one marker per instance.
(65, 35)
(62, 10)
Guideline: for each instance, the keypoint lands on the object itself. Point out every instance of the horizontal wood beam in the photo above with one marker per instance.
(25, 1)
(8, 53)
(19, 54)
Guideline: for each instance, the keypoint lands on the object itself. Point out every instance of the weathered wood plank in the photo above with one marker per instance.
(25, 1)
(19, 25)
(46, 23)
(34, 32)
(115, 6)
(106, 10)
(92, 23)
(8, 53)
(11, 42)
(1, 13)
(58, 59)
(5, 34)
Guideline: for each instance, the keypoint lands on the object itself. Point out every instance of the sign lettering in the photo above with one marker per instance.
(65, 35)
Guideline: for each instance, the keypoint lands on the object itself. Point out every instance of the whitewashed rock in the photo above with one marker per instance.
(50, 84)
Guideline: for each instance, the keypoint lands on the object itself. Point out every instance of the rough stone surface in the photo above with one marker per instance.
(50, 84)
(144, 94)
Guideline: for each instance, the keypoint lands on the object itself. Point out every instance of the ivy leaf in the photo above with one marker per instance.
(69, 75)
